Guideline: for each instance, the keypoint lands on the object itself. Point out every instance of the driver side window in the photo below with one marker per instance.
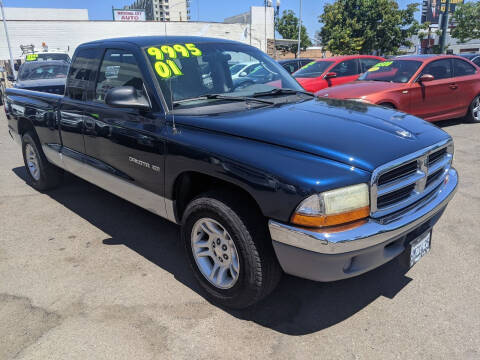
(439, 69)
(119, 68)
(346, 68)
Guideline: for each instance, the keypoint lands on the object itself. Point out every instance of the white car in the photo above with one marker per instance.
(242, 69)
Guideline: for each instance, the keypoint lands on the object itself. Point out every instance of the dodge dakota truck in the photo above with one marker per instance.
(262, 178)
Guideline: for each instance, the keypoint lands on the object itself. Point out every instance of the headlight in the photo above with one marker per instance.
(334, 207)
(360, 100)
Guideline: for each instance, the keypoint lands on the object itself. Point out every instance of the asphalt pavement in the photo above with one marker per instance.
(87, 275)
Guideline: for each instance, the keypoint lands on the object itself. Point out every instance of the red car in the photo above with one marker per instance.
(334, 71)
(433, 87)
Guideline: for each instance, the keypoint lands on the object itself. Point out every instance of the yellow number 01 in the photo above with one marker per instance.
(163, 70)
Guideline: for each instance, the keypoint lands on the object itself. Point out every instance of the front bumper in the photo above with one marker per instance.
(330, 256)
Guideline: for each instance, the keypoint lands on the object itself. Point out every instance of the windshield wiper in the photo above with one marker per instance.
(223, 97)
(278, 91)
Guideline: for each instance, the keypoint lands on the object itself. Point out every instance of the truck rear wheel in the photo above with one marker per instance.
(229, 250)
(41, 175)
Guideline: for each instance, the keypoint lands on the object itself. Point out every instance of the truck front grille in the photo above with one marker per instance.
(405, 181)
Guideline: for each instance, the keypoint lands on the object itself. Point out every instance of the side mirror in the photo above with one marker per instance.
(126, 97)
(330, 75)
(242, 74)
(425, 78)
(10, 78)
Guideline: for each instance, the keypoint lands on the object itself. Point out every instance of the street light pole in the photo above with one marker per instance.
(443, 39)
(299, 29)
(8, 39)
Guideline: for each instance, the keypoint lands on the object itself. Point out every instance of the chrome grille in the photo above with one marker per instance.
(404, 181)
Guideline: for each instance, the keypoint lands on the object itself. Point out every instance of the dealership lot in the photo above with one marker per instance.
(85, 274)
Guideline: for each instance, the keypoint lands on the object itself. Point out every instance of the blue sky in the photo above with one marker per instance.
(203, 10)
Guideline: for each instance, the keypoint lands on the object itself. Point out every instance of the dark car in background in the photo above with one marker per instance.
(44, 76)
(292, 65)
(475, 58)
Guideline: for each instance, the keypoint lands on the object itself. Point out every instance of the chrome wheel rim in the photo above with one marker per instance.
(215, 253)
(476, 108)
(32, 162)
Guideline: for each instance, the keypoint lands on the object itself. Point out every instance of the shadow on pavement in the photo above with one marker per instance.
(296, 307)
(448, 123)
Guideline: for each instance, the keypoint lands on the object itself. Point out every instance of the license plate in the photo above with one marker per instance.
(419, 247)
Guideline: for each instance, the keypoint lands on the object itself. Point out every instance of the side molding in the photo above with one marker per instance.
(146, 199)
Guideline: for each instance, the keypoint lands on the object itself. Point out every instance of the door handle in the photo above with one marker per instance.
(453, 86)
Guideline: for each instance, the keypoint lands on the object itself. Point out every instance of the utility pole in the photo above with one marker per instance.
(8, 40)
(443, 39)
(299, 29)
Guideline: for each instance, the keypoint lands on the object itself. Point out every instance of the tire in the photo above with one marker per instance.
(388, 105)
(41, 175)
(473, 115)
(257, 272)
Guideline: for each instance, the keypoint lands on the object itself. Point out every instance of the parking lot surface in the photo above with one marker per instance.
(87, 275)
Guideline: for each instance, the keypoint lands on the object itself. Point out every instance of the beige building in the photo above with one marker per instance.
(163, 10)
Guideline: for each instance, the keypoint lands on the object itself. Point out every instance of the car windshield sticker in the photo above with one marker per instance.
(31, 57)
(164, 66)
(379, 65)
(309, 64)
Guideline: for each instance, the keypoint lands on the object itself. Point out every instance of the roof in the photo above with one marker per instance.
(296, 59)
(142, 41)
(424, 57)
(347, 57)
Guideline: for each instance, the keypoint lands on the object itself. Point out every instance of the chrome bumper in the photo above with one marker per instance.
(371, 233)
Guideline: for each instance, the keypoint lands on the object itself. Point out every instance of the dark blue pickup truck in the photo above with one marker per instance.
(262, 178)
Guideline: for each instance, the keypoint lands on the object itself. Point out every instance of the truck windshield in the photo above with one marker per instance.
(313, 69)
(39, 70)
(397, 71)
(192, 71)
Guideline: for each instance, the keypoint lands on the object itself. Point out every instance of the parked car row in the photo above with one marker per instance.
(431, 87)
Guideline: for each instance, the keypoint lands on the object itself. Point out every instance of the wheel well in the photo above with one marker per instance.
(388, 104)
(191, 184)
(24, 126)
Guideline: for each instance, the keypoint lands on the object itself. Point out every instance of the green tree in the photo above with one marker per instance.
(365, 26)
(287, 26)
(467, 21)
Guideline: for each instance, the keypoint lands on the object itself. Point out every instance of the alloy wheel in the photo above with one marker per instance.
(32, 162)
(215, 253)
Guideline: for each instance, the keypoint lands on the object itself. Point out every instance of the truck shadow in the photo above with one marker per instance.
(296, 307)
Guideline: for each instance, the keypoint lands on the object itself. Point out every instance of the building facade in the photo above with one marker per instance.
(163, 10)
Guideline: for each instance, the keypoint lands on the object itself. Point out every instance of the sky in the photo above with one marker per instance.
(201, 10)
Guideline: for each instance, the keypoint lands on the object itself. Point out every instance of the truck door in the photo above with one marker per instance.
(125, 142)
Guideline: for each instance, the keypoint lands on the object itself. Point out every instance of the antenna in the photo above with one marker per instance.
(174, 128)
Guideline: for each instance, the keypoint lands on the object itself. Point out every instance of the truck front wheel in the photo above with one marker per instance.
(41, 175)
(229, 250)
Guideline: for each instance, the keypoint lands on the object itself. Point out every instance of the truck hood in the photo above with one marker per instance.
(357, 89)
(357, 134)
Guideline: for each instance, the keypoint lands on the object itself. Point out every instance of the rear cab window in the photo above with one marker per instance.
(81, 76)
